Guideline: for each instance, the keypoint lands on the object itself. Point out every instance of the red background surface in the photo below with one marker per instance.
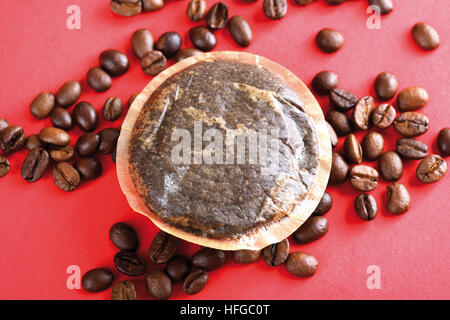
(44, 230)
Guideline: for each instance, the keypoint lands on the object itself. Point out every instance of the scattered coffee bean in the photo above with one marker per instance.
(61, 118)
(425, 36)
(335, 2)
(352, 149)
(362, 112)
(399, 199)
(329, 40)
(4, 166)
(366, 207)
(123, 290)
(85, 116)
(169, 43)
(126, 8)
(33, 141)
(312, 229)
(217, 16)
(275, 9)
(112, 109)
(186, 53)
(411, 148)
(124, 237)
(202, 38)
(383, 116)
(276, 254)
(68, 94)
(178, 268)
(153, 63)
(55, 136)
(98, 79)
(240, 31)
(152, 5)
(386, 6)
(339, 169)
(443, 142)
(340, 122)
(246, 256)
(332, 134)
(65, 176)
(114, 62)
(158, 284)
(195, 281)
(301, 264)
(3, 124)
(108, 140)
(163, 247)
(130, 263)
(390, 166)
(411, 124)
(412, 99)
(60, 154)
(209, 259)
(431, 169)
(141, 43)
(342, 100)
(386, 85)
(304, 2)
(324, 205)
(87, 144)
(363, 178)
(196, 10)
(88, 168)
(35, 164)
(12, 139)
(372, 145)
(97, 280)
(42, 105)
(325, 81)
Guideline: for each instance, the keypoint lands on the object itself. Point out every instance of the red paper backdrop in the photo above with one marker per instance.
(44, 230)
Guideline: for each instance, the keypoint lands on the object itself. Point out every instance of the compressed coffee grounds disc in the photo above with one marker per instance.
(224, 201)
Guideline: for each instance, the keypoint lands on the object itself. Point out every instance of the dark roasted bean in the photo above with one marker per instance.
(342, 100)
(195, 281)
(246, 256)
(98, 79)
(209, 259)
(178, 268)
(276, 254)
(55, 136)
(352, 149)
(61, 118)
(152, 5)
(383, 116)
(411, 148)
(329, 40)
(97, 280)
(130, 263)
(240, 31)
(390, 166)
(324, 205)
(12, 139)
(443, 142)
(124, 237)
(399, 199)
(59, 154)
(123, 290)
(202, 38)
(425, 36)
(340, 122)
(35, 164)
(411, 124)
(186, 53)
(87, 144)
(312, 229)
(339, 169)
(386, 85)
(196, 10)
(33, 141)
(217, 16)
(366, 207)
(431, 169)
(363, 178)
(372, 145)
(169, 43)
(114, 62)
(412, 99)
(158, 284)
(153, 63)
(112, 109)
(163, 247)
(141, 43)
(275, 9)
(88, 168)
(126, 8)
(4, 166)
(325, 81)
(68, 94)
(85, 116)
(301, 264)
(362, 112)
(108, 140)
(386, 6)
(65, 176)
(42, 105)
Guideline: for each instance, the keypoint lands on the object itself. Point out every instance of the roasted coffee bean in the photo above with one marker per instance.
(141, 43)
(352, 149)
(178, 268)
(246, 256)
(112, 109)
(383, 116)
(340, 122)
(312, 229)
(124, 237)
(443, 142)
(55, 136)
(366, 207)
(123, 290)
(65, 176)
(372, 145)
(59, 154)
(163, 247)
(152, 5)
(186, 53)
(85, 116)
(108, 140)
(335, 2)
(61, 118)
(386, 6)
(363, 178)
(332, 134)
(411, 124)
(68, 94)
(87, 144)
(425, 36)
(217, 16)
(169, 43)
(362, 112)
(412, 99)
(411, 148)
(301, 264)
(339, 169)
(33, 141)
(276, 254)
(342, 100)
(196, 10)
(4, 166)
(275, 9)
(324, 205)
(202, 38)
(42, 105)
(325, 81)
(3, 124)
(329, 40)
(98, 79)
(130, 263)
(35, 164)
(97, 280)
(431, 169)
(153, 63)
(386, 85)
(12, 139)
(399, 199)
(390, 166)
(240, 31)
(158, 285)
(88, 168)
(126, 8)
(209, 259)
(114, 62)
(304, 2)
(195, 281)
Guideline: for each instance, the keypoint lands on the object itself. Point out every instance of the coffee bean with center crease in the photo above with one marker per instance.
(301, 264)
(124, 237)
(195, 281)
(362, 112)
(411, 148)
(411, 124)
(97, 280)
(158, 284)
(399, 199)
(363, 178)
(178, 268)
(324, 82)
(324, 205)
(340, 122)
(240, 31)
(108, 140)
(366, 206)
(114, 62)
(153, 63)
(372, 145)
(431, 169)
(130, 263)
(386, 85)
(33, 141)
(12, 139)
(246, 256)
(68, 94)
(412, 99)
(217, 16)
(169, 43)
(202, 38)
(186, 53)
(65, 176)
(88, 168)
(54, 136)
(339, 169)
(98, 79)
(123, 290)
(4, 166)
(275, 9)
(3, 124)
(443, 142)
(59, 154)
(42, 105)
(196, 10)
(112, 109)
(312, 229)
(352, 149)
(209, 259)
(342, 100)
(425, 36)
(141, 43)
(390, 166)
(85, 116)
(87, 144)
(276, 254)
(329, 40)
(383, 116)
(61, 118)
(152, 5)
(163, 247)
(126, 8)
(386, 6)
(35, 164)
